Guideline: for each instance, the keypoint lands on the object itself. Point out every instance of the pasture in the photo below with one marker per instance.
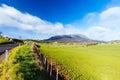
(100, 62)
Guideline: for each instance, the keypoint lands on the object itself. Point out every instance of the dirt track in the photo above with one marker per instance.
(5, 47)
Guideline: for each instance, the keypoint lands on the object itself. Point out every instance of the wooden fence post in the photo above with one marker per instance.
(40, 54)
(45, 61)
(51, 68)
(57, 74)
(47, 66)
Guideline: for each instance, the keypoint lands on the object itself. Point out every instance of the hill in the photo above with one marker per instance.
(114, 42)
(70, 39)
(3, 40)
(8, 40)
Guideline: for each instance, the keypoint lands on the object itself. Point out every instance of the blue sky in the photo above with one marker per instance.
(64, 11)
(39, 19)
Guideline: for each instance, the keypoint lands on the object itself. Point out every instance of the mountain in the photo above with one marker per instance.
(114, 42)
(70, 39)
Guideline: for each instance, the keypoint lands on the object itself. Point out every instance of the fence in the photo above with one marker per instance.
(49, 67)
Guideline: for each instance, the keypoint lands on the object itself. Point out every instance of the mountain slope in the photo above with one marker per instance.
(69, 39)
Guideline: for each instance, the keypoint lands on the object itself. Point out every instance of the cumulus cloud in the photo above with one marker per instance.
(107, 25)
(100, 26)
(11, 17)
(111, 17)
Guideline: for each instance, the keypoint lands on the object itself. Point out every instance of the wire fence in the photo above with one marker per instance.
(50, 67)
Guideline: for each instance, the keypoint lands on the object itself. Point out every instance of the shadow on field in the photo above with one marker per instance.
(44, 75)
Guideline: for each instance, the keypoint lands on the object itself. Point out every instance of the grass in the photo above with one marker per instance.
(3, 40)
(21, 66)
(101, 62)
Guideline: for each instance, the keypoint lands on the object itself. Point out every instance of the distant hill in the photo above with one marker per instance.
(3, 40)
(114, 42)
(8, 40)
(70, 39)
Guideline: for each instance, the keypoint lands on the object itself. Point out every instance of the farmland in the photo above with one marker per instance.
(100, 62)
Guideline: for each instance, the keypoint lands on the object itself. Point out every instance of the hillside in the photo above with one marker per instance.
(70, 39)
(9, 40)
(3, 40)
(114, 42)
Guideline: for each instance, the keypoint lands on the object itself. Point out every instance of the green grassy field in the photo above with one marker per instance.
(21, 66)
(100, 62)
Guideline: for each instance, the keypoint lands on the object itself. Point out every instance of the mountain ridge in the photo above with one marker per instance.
(76, 38)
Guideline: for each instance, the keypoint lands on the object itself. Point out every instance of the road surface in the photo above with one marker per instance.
(5, 47)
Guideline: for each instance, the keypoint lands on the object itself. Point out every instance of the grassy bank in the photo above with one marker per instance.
(21, 66)
(101, 62)
(3, 40)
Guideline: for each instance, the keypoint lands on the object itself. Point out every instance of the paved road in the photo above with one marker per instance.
(5, 47)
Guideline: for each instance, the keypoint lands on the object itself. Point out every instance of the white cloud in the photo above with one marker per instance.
(101, 26)
(107, 25)
(111, 17)
(91, 18)
(11, 17)
(97, 32)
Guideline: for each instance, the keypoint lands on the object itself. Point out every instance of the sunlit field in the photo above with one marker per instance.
(100, 62)
(21, 66)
